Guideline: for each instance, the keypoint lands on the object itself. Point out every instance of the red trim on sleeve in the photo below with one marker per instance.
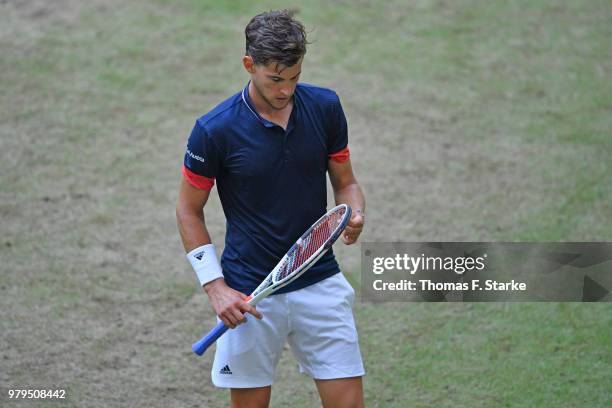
(201, 182)
(342, 156)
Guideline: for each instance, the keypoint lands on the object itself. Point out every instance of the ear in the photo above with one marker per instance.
(249, 64)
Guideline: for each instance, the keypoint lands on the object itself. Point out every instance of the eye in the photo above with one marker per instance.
(276, 79)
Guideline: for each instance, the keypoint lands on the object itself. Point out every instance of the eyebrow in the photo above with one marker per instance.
(276, 76)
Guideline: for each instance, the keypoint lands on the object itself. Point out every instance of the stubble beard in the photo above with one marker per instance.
(267, 101)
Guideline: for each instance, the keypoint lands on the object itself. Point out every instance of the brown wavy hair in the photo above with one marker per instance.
(275, 36)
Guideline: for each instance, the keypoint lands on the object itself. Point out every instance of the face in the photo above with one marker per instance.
(274, 83)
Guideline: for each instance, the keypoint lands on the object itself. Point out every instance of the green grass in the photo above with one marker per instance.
(469, 120)
(510, 355)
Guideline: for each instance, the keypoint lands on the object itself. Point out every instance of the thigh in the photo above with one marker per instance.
(246, 357)
(323, 336)
(250, 397)
(341, 393)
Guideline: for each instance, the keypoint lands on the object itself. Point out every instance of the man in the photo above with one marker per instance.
(269, 148)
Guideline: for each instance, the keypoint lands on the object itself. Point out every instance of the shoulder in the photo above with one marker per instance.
(221, 116)
(318, 96)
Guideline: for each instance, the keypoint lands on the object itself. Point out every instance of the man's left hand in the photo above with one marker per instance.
(353, 229)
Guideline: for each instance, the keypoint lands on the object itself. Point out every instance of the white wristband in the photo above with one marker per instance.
(205, 264)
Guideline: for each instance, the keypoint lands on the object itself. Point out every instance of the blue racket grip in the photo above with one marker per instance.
(200, 346)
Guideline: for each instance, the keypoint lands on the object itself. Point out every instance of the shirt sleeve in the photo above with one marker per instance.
(201, 162)
(337, 147)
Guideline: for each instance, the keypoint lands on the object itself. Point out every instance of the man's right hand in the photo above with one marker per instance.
(229, 304)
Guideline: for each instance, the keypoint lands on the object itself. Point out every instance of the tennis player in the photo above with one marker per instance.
(269, 148)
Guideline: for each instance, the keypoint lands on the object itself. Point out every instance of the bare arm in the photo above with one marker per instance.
(190, 216)
(228, 303)
(348, 191)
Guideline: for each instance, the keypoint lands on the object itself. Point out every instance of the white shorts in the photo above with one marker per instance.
(316, 320)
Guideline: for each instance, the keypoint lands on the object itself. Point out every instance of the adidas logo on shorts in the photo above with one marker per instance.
(225, 370)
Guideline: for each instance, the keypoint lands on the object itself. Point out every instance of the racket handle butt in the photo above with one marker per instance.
(200, 346)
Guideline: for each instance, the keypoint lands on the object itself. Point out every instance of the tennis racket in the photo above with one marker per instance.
(308, 249)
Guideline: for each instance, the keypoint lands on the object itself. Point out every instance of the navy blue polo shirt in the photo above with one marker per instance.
(271, 181)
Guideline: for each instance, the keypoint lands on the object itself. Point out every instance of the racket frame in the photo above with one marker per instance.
(268, 286)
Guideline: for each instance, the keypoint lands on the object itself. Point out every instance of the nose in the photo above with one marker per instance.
(286, 92)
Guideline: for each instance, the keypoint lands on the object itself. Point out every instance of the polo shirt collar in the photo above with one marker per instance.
(249, 104)
(247, 101)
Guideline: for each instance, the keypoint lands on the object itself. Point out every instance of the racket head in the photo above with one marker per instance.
(312, 245)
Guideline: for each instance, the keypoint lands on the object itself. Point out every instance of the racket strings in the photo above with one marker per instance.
(310, 244)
